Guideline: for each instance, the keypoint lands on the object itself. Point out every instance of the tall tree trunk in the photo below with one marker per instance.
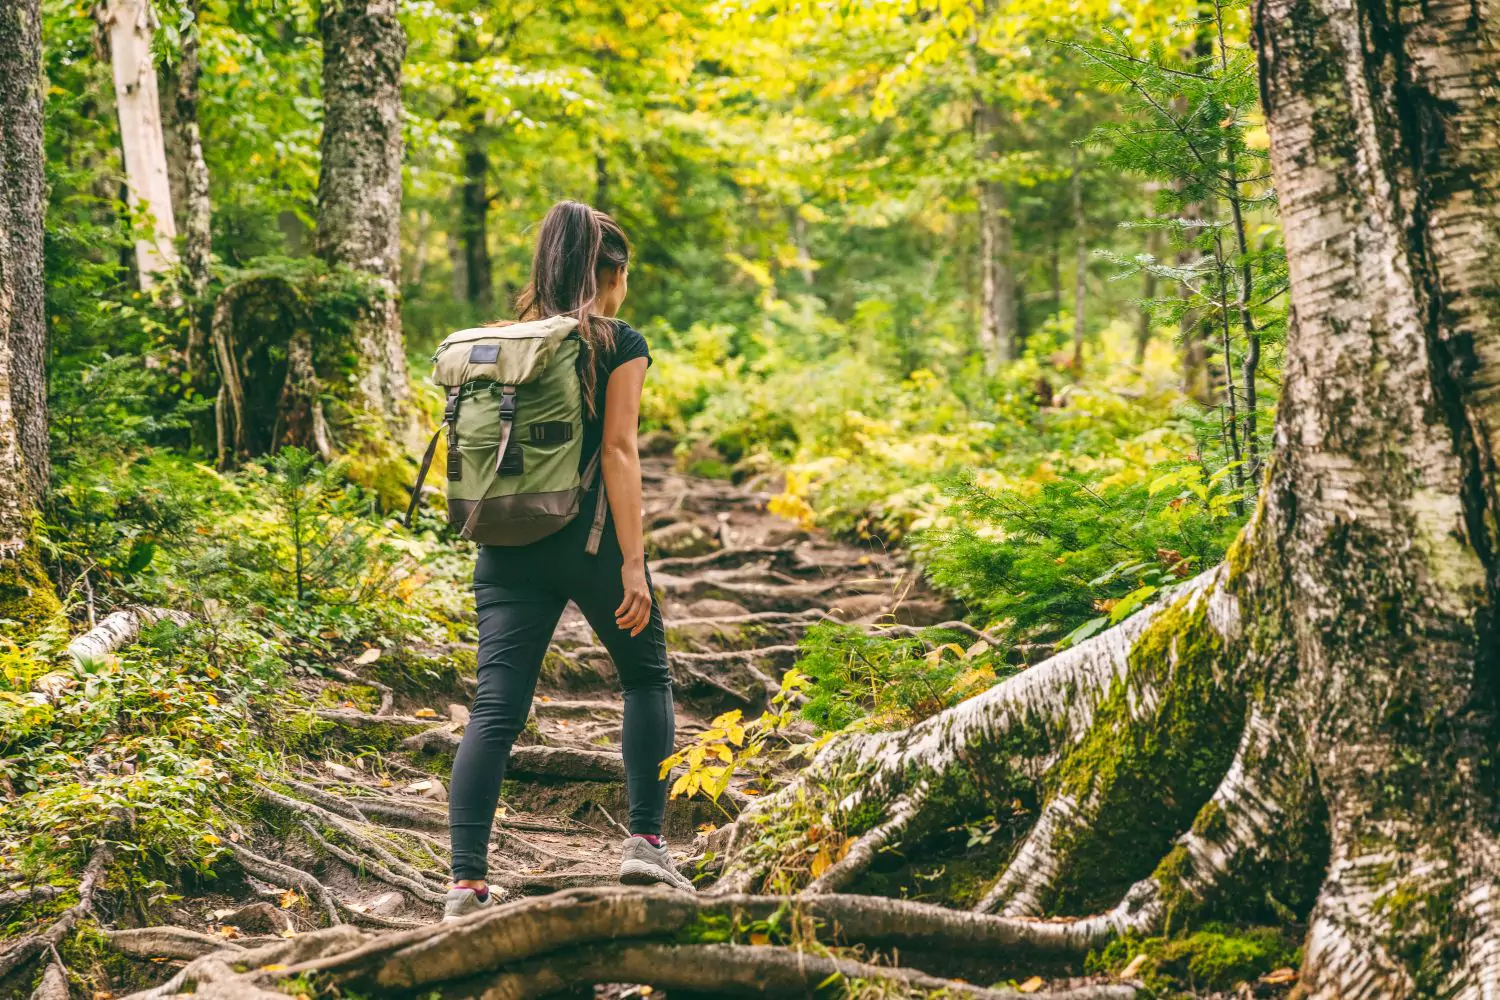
(25, 592)
(1081, 265)
(197, 244)
(131, 23)
(359, 187)
(997, 293)
(475, 208)
(602, 186)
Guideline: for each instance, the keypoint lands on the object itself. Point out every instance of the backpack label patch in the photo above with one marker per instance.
(484, 354)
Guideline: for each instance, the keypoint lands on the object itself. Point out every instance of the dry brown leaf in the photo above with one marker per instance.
(368, 656)
(1279, 976)
(760, 937)
(1031, 985)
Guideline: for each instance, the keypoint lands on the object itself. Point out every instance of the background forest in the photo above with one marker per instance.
(998, 288)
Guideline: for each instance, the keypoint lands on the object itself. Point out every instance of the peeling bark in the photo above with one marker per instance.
(131, 23)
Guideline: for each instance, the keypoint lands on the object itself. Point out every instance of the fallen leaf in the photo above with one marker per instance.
(760, 937)
(1279, 976)
(1133, 969)
(290, 899)
(288, 933)
(1031, 985)
(229, 931)
(425, 713)
(368, 656)
(707, 828)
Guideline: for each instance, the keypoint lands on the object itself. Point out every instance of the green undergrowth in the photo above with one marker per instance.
(1210, 958)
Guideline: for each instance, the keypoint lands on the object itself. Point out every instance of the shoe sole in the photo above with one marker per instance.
(635, 872)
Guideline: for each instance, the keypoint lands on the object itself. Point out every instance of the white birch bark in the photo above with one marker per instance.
(131, 23)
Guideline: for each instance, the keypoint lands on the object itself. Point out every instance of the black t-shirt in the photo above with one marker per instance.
(629, 345)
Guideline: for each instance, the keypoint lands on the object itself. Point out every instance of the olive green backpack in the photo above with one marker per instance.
(514, 417)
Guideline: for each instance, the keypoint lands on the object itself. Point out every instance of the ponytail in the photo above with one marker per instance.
(574, 243)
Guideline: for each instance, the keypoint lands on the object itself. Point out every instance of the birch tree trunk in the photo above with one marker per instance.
(997, 293)
(131, 23)
(197, 245)
(25, 592)
(359, 186)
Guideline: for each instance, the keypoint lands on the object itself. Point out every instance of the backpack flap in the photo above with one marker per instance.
(510, 355)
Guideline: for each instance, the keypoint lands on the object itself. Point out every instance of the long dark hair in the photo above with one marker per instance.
(575, 243)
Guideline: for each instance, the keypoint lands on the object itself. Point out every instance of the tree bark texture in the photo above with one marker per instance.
(25, 592)
(131, 23)
(197, 245)
(997, 293)
(359, 184)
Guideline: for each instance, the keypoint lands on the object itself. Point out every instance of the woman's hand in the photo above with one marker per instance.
(634, 612)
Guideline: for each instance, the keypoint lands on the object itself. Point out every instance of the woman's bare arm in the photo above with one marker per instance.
(621, 464)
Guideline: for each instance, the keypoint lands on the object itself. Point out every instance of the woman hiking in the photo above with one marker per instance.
(579, 271)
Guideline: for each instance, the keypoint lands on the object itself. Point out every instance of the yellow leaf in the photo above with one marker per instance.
(288, 933)
(760, 937)
(822, 861)
(290, 899)
(425, 713)
(1031, 985)
(680, 785)
(210, 839)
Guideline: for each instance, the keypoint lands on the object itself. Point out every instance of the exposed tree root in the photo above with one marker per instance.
(210, 975)
(535, 947)
(1034, 869)
(417, 886)
(724, 970)
(278, 873)
(18, 897)
(1024, 726)
(25, 949)
(863, 851)
(54, 983)
(168, 942)
(119, 629)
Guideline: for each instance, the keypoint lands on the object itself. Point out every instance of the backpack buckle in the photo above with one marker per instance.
(508, 403)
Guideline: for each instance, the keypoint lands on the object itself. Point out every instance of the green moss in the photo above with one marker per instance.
(1152, 769)
(386, 473)
(366, 699)
(1216, 957)
(424, 676)
(27, 597)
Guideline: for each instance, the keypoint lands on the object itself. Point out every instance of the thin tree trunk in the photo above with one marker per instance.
(1250, 365)
(475, 207)
(131, 23)
(359, 187)
(25, 592)
(1154, 244)
(1081, 265)
(197, 246)
(997, 296)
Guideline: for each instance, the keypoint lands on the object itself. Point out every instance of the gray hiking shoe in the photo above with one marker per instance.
(642, 864)
(462, 902)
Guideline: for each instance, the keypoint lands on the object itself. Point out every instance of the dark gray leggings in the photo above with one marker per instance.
(520, 594)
